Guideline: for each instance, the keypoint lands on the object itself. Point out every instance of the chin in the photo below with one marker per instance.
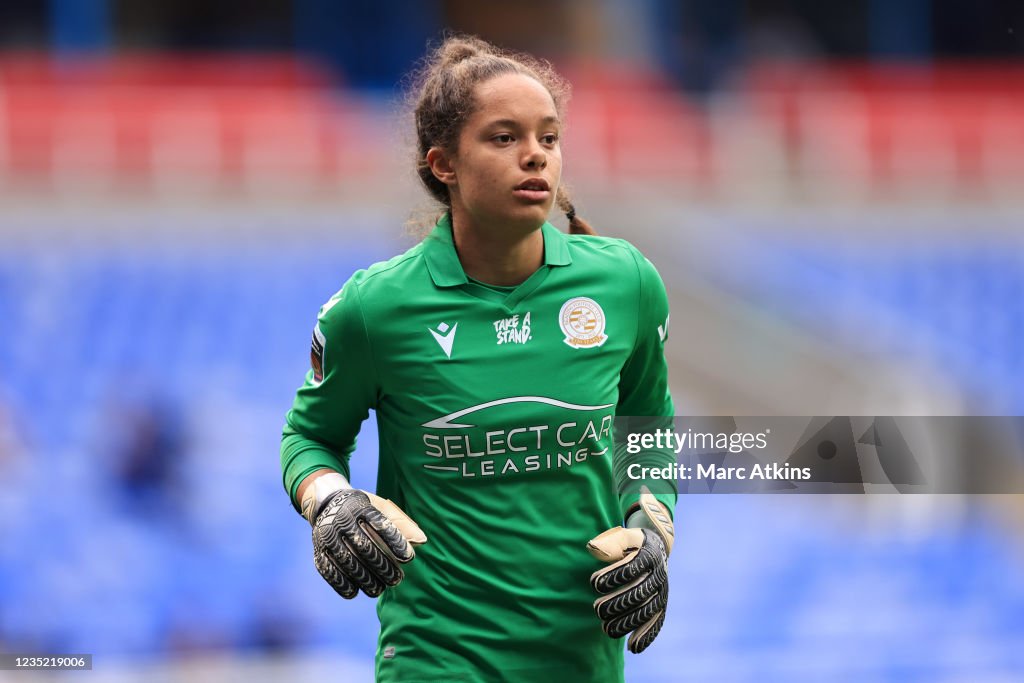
(521, 218)
(537, 214)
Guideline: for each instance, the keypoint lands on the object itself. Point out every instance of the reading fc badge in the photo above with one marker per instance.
(582, 321)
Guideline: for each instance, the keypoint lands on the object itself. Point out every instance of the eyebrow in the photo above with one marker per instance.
(513, 124)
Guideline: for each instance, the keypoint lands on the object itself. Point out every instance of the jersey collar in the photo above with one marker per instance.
(443, 262)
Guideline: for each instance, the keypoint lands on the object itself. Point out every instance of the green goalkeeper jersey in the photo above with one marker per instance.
(495, 410)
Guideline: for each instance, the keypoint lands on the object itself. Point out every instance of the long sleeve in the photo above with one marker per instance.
(337, 395)
(644, 400)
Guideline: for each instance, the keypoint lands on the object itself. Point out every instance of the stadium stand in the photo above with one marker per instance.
(207, 339)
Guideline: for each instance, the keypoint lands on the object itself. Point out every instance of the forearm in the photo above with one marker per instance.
(303, 459)
(633, 471)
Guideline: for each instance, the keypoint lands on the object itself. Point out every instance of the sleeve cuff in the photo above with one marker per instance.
(302, 464)
(628, 502)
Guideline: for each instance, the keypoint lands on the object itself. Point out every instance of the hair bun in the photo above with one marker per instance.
(457, 50)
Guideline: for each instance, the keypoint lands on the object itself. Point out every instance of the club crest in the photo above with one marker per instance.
(583, 322)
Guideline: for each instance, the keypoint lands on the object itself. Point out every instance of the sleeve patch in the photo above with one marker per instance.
(316, 354)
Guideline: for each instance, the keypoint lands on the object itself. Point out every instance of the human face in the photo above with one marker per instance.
(508, 163)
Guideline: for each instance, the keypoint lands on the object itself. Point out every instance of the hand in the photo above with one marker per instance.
(634, 589)
(361, 541)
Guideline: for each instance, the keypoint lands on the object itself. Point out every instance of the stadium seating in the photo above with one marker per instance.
(215, 331)
(940, 292)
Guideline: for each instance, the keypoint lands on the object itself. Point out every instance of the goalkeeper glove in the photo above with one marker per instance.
(634, 589)
(360, 541)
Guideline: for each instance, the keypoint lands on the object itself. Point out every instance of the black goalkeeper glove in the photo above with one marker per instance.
(360, 541)
(634, 589)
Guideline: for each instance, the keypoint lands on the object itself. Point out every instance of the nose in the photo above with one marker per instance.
(535, 158)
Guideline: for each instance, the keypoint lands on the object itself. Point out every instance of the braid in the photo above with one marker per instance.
(577, 226)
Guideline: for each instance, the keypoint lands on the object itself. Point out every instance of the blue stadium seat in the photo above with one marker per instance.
(762, 589)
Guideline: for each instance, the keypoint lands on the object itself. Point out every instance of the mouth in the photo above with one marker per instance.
(533, 189)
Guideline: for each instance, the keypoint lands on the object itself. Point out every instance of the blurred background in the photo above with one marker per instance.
(833, 193)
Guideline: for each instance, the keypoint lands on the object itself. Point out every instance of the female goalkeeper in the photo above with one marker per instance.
(496, 354)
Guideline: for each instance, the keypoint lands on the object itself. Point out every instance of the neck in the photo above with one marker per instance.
(496, 256)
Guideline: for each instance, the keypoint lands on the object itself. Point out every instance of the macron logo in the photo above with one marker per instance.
(445, 337)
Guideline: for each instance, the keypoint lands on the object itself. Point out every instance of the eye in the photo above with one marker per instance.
(549, 139)
(503, 139)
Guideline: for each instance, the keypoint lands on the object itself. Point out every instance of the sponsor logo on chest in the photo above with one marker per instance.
(489, 439)
(514, 330)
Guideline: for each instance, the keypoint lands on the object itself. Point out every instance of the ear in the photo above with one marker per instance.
(441, 166)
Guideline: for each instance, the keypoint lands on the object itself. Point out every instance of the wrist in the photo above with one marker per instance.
(318, 491)
(651, 514)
